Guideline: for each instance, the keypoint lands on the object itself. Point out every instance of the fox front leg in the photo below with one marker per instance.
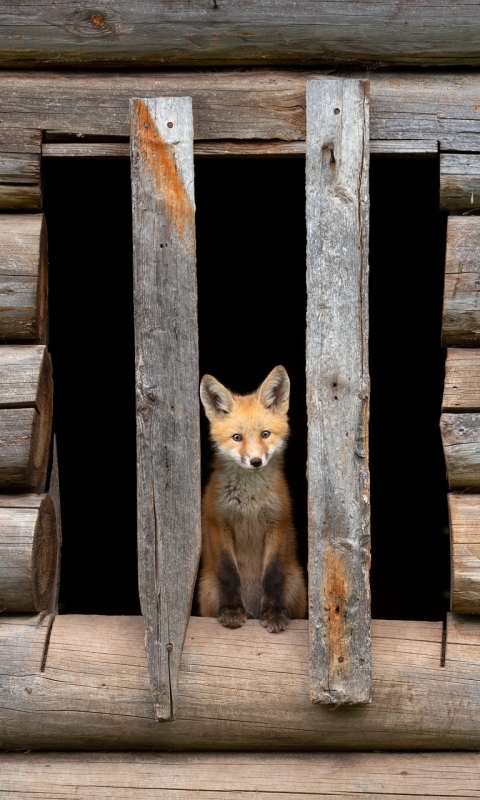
(231, 611)
(275, 616)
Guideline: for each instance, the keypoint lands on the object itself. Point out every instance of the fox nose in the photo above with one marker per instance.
(256, 462)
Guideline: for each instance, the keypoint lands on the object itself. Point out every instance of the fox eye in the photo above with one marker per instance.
(265, 434)
(237, 437)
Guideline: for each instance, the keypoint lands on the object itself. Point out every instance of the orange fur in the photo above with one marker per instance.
(249, 562)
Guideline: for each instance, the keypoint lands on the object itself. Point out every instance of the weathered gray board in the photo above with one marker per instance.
(338, 388)
(23, 276)
(460, 182)
(252, 104)
(28, 552)
(461, 299)
(464, 513)
(238, 689)
(461, 445)
(166, 337)
(462, 380)
(240, 776)
(26, 405)
(239, 32)
(20, 156)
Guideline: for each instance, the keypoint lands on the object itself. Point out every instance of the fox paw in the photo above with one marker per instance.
(275, 619)
(233, 617)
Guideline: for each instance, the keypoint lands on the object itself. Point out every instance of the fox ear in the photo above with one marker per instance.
(217, 400)
(274, 393)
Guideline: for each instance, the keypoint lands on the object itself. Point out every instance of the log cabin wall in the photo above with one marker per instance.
(82, 682)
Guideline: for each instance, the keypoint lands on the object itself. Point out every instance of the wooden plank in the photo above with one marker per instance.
(23, 640)
(26, 406)
(461, 300)
(253, 104)
(28, 555)
(465, 553)
(239, 689)
(409, 148)
(141, 776)
(338, 390)
(462, 380)
(23, 276)
(191, 34)
(461, 445)
(20, 198)
(166, 337)
(459, 182)
(20, 152)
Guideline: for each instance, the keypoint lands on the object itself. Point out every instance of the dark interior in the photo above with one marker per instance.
(251, 277)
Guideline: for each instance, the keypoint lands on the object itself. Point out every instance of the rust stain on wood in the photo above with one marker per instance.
(336, 593)
(160, 160)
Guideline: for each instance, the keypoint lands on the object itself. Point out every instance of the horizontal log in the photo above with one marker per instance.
(461, 445)
(23, 646)
(238, 776)
(20, 197)
(461, 299)
(415, 108)
(20, 154)
(227, 149)
(240, 689)
(462, 380)
(465, 553)
(26, 401)
(23, 277)
(28, 552)
(459, 182)
(186, 33)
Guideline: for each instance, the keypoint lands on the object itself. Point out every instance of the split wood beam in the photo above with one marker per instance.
(23, 277)
(238, 689)
(28, 552)
(26, 404)
(461, 300)
(166, 341)
(460, 182)
(410, 112)
(20, 156)
(462, 381)
(239, 33)
(464, 513)
(338, 389)
(229, 776)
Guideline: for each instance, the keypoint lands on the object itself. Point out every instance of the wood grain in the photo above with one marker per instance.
(418, 108)
(20, 151)
(338, 390)
(461, 445)
(459, 182)
(26, 406)
(238, 776)
(28, 554)
(462, 380)
(461, 300)
(23, 277)
(23, 642)
(464, 513)
(238, 690)
(166, 337)
(191, 33)
(54, 492)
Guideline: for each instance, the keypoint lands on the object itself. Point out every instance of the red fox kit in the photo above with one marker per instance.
(249, 562)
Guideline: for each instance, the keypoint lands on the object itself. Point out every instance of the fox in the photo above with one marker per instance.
(249, 563)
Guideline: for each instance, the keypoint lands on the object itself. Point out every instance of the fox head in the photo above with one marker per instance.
(248, 429)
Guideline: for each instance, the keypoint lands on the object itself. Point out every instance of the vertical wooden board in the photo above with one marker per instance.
(337, 160)
(166, 334)
(54, 491)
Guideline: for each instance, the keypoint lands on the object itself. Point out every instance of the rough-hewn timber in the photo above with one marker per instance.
(460, 182)
(23, 276)
(462, 380)
(20, 156)
(461, 299)
(192, 33)
(240, 776)
(166, 341)
(337, 208)
(28, 552)
(465, 553)
(254, 104)
(461, 445)
(238, 690)
(26, 402)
